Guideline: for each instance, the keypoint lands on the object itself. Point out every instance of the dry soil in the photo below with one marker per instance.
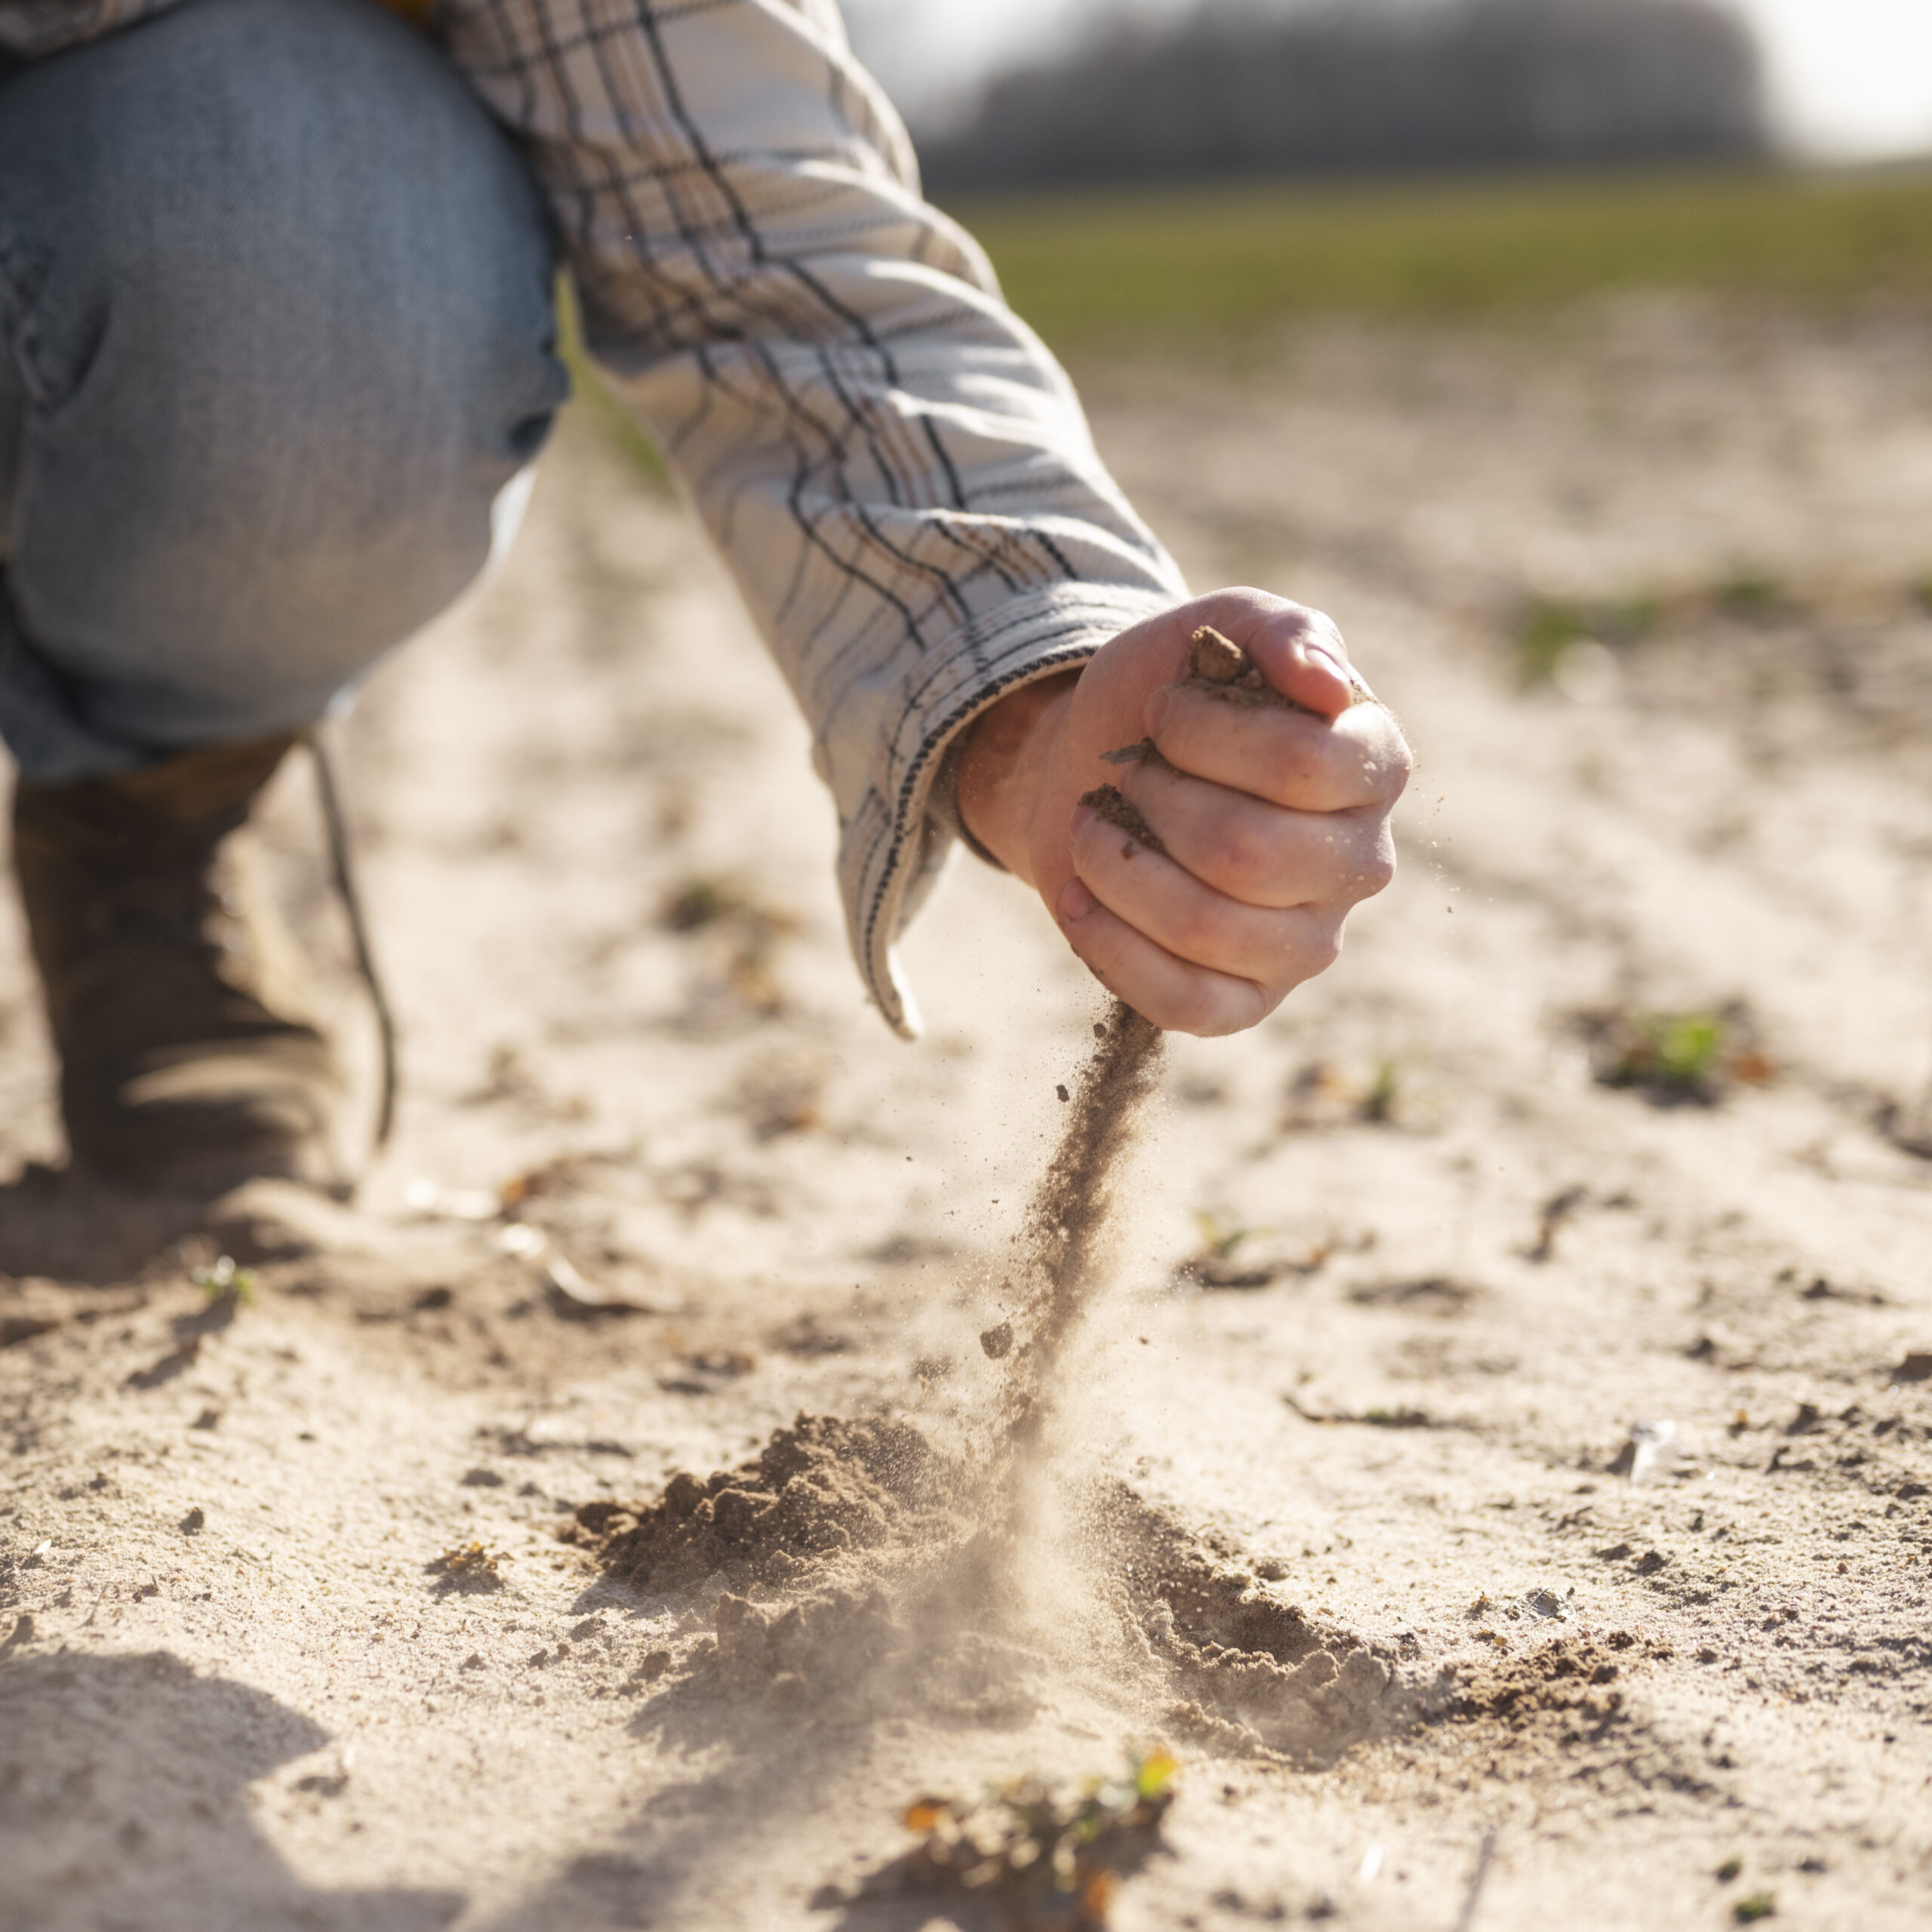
(1506, 1491)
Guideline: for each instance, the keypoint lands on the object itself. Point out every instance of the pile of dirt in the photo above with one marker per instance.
(872, 1587)
(854, 1578)
(816, 1492)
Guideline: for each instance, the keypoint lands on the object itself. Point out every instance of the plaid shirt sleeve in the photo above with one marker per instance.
(897, 472)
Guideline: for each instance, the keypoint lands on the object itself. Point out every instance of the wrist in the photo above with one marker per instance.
(1001, 763)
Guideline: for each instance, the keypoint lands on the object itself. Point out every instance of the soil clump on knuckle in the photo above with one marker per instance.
(1119, 811)
(1220, 669)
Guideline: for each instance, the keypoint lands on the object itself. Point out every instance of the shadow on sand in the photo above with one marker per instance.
(123, 1802)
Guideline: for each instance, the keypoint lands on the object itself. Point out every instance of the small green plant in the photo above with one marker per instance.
(1677, 1056)
(1212, 1265)
(223, 1281)
(1378, 1105)
(1547, 631)
(1550, 627)
(1218, 1242)
(751, 929)
(1685, 1048)
(1757, 1905)
(1750, 594)
(1053, 1861)
(1627, 620)
(1728, 1869)
(700, 902)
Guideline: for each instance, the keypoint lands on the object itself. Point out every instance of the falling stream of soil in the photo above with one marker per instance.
(856, 1563)
(1062, 1238)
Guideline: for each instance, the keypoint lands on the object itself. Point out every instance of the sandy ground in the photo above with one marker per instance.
(236, 1692)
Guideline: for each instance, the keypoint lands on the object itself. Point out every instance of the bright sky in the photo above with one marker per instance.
(1853, 78)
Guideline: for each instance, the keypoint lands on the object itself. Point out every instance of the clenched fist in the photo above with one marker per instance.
(1272, 821)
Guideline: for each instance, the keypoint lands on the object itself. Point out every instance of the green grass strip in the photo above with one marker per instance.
(1126, 263)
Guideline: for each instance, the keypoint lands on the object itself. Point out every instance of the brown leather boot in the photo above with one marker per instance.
(182, 1065)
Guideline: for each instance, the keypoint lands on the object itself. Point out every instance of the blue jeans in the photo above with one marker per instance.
(276, 350)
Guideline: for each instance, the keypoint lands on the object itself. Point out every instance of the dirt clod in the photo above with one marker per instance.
(998, 1340)
(1220, 668)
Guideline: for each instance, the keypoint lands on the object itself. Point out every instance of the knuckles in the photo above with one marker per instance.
(1376, 872)
(1243, 860)
(1387, 764)
(1317, 953)
(1193, 1009)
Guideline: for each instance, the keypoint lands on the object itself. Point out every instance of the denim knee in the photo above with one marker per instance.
(276, 299)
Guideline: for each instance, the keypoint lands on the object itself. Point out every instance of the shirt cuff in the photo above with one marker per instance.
(897, 844)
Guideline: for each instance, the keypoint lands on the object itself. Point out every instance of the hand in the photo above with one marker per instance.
(1275, 822)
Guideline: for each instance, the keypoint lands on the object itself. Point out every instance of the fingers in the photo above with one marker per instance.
(1288, 757)
(1275, 947)
(1174, 993)
(1261, 854)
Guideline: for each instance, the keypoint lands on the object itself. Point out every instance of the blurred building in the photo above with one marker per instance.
(1373, 85)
